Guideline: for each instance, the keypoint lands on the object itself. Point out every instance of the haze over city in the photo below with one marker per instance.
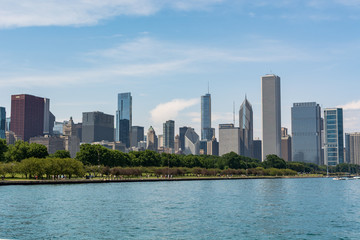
(166, 52)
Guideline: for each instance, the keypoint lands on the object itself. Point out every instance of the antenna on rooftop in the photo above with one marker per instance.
(234, 113)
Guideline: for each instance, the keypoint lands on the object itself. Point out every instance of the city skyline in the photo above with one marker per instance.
(165, 54)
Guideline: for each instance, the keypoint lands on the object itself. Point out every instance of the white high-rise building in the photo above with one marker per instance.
(229, 139)
(271, 115)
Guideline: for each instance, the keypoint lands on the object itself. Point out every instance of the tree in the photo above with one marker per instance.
(273, 161)
(37, 150)
(60, 154)
(3, 149)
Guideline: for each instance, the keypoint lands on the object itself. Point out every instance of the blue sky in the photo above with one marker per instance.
(80, 54)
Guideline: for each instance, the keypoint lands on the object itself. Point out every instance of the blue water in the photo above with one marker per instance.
(235, 209)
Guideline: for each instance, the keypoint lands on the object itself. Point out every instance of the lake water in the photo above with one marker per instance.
(234, 209)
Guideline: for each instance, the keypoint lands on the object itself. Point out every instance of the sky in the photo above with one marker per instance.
(82, 53)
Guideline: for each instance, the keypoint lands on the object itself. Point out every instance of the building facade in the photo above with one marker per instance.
(246, 129)
(213, 147)
(286, 145)
(306, 133)
(192, 142)
(271, 115)
(97, 126)
(334, 136)
(27, 116)
(124, 118)
(169, 134)
(206, 131)
(52, 143)
(182, 132)
(229, 139)
(257, 146)
(137, 135)
(352, 148)
(151, 140)
(2, 123)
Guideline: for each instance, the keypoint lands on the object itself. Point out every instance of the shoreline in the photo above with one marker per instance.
(87, 181)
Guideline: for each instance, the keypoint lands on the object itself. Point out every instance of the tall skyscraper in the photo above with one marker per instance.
(27, 116)
(151, 140)
(271, 115)
(213, 147)
(182, 132)
(2, 123)
(97, 126)
(206, 131)
(334, 136)
(306, 132)
(257, 149)
(352, 148)
(229, 139)
(285, 145)
(192, 143)
(246, 129)
(137, 135)
(169, 134)
(124, 118)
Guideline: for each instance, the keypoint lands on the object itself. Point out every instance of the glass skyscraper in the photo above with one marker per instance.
(169, 134)
(246, 129)
(206, 131)
(334, 136)
(2, 122)
(306, 132)
(124, 112)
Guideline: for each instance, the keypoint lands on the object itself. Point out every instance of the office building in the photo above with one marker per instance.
(27, 116)
(137, 135)
(71, 138)
(352, 148)
(246, 129)
(182, 132)
(203, 147)
(206, 131)
(97, 126)
(285, 145)
(306, 132)
(192, 143)
(2, 123)
(119, 146)
(213, 147)
(124, 118)
(169, 134)
(257, 146)
(151, 140)
(160, 141)
(271, 115)
(229, 139)
(49, 118)
(7, 126)
(52, 143)
(334, 136)
(177, 144)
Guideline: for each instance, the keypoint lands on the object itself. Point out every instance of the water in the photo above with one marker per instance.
(235, 209)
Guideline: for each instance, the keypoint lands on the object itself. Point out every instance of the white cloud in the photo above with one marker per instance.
(24, 13)
(354, 105)
(170, 110)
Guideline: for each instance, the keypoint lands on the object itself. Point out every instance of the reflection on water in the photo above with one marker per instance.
(233, 209)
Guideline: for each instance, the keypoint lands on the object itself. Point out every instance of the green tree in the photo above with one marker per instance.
(60, 154)
(3, 149)
(37, 150)
(273, 161)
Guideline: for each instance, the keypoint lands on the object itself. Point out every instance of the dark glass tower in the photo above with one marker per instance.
(169, 134)
(334, 136)
(206, 131)
(2, 122)
(246, 129)
(124, 112)
(306, 132)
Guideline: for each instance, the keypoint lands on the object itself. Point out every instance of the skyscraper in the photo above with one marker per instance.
(27, 116)
(137, 135)
(151, 140)
(334, 136)
(285, 145)
(271, 115)
(206, 131)
(257, 149)
(169, 134)
(306, 132)
(246, 129)
(229, 139)
(2, 123)
(124, 118)
(97, 126)
(352, 148)
(182, 132)
(192, 143)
